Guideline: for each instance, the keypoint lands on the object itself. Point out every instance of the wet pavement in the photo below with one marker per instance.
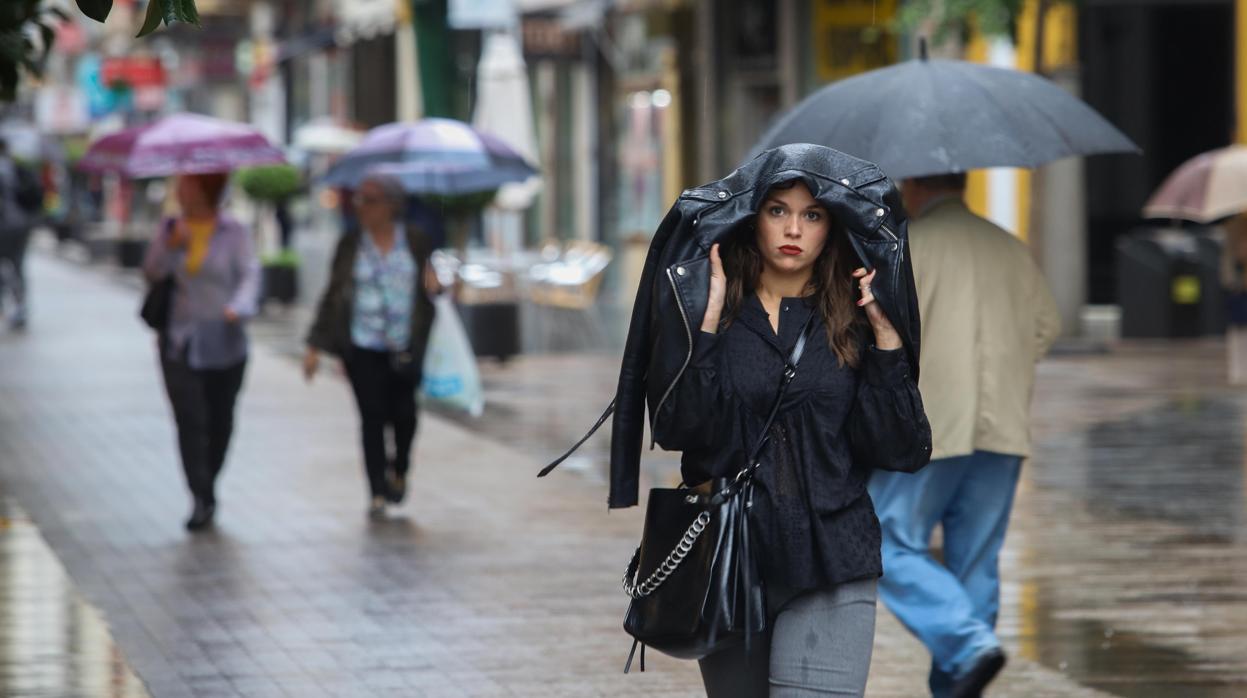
(1123, 568)
(52, 643)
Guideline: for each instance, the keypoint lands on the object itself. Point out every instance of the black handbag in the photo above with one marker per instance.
(693, 580)
(158, 303)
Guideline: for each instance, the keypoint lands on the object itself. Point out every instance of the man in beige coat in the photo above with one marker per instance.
(987, 318)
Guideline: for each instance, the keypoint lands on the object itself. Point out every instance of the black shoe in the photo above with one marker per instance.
(396, 487)
(201, 517)
(986, 666)
(376, 509)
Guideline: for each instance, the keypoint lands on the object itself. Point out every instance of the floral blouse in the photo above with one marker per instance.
(384, 293)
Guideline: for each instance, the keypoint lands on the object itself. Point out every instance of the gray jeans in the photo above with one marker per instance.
(818, 645)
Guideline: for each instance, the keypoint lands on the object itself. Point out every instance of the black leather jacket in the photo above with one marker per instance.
(671, 298)
(675, 282)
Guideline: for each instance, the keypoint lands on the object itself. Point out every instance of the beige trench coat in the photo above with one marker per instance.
(987, 318)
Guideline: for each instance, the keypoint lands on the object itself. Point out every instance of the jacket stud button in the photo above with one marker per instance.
(722, 195)
(878, 213)
(679, 270)
(845, 182)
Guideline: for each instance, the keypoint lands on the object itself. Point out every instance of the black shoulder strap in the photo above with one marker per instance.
(610, 409)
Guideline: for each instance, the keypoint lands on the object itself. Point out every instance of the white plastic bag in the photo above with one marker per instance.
(450, 375)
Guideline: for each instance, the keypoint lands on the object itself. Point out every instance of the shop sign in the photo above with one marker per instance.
(547, 37)
(481, 14)
(134, 71)
(364, 19)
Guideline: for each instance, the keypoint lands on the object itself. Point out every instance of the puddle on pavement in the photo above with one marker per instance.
(1158, 504)
(52, 643)
(1121, 663)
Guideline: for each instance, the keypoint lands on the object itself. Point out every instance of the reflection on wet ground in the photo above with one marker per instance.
(1126, 560)
(52, 643)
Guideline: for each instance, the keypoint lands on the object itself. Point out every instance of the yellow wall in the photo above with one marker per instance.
(1060, 50)
(1240, 68)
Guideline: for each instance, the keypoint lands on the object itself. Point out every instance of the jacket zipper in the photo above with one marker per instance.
(689, 357)
(889, 232)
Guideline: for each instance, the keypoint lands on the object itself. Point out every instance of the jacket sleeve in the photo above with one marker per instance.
(320, 335)
(695, 415)
(1047, 316)
(628, 425)
(246, 298)
(888, 427)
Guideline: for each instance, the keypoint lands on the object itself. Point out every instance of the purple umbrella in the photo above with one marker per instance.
(180, 144)
(432, 156)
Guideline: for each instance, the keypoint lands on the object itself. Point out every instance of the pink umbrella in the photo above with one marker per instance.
(1206, 188)
(180, 144)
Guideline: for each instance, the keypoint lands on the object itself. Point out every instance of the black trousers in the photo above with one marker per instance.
(386, 398)
(13, 243)
(203, 407)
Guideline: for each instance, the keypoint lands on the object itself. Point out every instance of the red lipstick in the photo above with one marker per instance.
(791, 250)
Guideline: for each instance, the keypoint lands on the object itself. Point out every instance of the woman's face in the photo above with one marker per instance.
(372, 206)
(792, 229)
(190, 194)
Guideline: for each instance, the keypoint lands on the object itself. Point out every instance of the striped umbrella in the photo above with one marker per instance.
(180, 144)
(1206, 188)
(432, 156)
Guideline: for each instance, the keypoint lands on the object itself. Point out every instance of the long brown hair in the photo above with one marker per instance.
(831, 284)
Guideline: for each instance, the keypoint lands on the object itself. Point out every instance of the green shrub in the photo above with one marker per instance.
(271, 183)
(284, 258)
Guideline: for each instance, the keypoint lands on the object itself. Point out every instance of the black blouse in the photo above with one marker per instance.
(814, 521)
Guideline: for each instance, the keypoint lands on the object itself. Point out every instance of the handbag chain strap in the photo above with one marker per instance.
(640, 590)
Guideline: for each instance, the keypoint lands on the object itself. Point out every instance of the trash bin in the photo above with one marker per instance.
(489, 307)
(1168, 284)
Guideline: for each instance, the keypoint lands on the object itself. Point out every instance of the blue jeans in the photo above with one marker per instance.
(950, 607)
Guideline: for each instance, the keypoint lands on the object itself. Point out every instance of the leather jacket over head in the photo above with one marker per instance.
(675, 282)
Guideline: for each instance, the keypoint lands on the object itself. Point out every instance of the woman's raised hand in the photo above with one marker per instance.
(886, 336)
(718, 293)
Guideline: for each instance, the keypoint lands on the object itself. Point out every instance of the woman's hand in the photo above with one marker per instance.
(311, 363)
(231, 315)
(432, 284)
(718, 293)
(886, 336)
(178, 236)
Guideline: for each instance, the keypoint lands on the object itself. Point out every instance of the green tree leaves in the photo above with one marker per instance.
(168, 11)
(96, 9)
(24, 21)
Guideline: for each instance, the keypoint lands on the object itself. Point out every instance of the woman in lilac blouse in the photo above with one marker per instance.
(375, 315)
(203, 350)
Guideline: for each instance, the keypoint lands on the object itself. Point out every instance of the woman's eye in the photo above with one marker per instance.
(813, 216)
(777, 211)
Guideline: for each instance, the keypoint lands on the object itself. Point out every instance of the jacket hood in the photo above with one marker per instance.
(855, 192)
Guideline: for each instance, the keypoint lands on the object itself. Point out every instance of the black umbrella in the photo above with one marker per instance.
(928, 117)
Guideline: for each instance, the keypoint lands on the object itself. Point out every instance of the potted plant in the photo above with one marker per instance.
(271, 187)
(280, 280)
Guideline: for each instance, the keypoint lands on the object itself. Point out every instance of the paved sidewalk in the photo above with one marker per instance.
(492, 583)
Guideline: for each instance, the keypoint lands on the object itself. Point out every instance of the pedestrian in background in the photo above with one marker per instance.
(1234, 282)
(21, 197)
(375, 316)
(987, 318)
(203, 350)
